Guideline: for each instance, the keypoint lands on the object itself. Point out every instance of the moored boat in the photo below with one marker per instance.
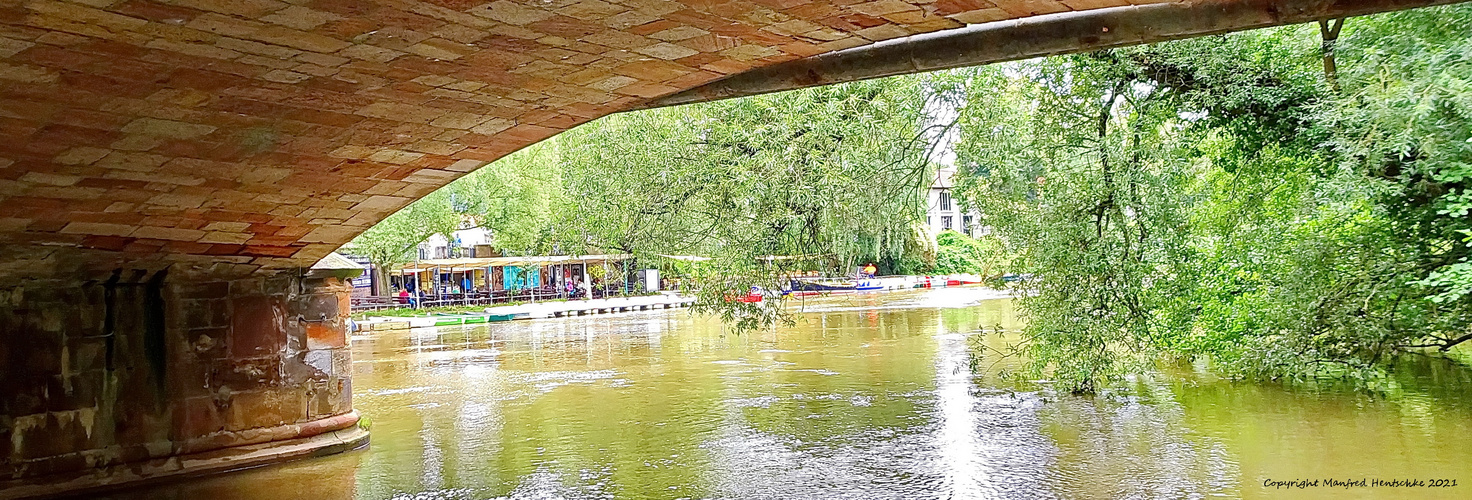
(831, 286)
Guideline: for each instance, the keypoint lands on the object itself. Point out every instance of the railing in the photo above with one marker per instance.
(373, 303)
(827, 279)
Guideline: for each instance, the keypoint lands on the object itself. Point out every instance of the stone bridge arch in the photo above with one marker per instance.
(171, 169)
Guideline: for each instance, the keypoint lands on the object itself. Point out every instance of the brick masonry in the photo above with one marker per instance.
(136, 365)
(266, 133)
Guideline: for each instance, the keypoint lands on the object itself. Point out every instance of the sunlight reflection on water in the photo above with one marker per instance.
(867, 397)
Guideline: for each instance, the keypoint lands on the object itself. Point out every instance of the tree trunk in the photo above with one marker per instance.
(1103, 131)
(1330, 33)
(380, 281)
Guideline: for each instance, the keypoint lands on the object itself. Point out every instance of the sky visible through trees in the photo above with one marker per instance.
(1247, 199)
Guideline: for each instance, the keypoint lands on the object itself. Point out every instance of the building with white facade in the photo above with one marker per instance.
(945, 212)
(473, 242)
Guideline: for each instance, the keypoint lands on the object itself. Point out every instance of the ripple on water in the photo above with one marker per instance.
(562, 376)
(390, 392)
(818, 371)
(871, 405)
(753, 402)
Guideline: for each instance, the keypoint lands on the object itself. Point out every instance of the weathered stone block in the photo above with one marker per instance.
(74, 391)
(248, 286)
(282, 283)
(211, 290)
(205, 313)
(321, 362)
(266, 408)
(318, 306)
(87, 353)
(257, 326)
(332, 397)
(140, 419)
(50, 434)
(208, 343)
(326, 335)
(192, 378)
(199, 416)
(322, 402)
(247, 374)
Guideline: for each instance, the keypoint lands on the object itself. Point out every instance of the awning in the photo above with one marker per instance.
(468, 263)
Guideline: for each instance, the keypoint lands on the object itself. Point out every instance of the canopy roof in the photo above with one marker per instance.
(335, 261)
(484, 262)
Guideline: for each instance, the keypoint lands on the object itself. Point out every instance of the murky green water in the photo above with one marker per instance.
(871, 396)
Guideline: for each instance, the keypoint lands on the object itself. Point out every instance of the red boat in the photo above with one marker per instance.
(750, 298)
(755, 295)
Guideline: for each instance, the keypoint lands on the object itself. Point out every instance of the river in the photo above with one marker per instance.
(867, 397)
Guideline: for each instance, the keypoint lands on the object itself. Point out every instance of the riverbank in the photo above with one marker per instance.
(530, 310)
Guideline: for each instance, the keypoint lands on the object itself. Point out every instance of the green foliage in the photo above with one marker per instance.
(1216, 197)
(512, 197)
(1073, 165)
(833, 173)
(829, 170)
(1405, 121)
(960, 254)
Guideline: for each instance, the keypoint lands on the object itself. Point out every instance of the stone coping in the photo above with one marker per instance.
(246, 449)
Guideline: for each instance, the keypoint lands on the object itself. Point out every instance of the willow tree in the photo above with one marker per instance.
(1072, 164)
(833, 174)
(512, 198)
(1332, 210)
(1224, 198)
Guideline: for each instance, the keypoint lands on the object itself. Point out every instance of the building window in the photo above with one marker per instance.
(966, 224)
(945, 202)
(945, 221)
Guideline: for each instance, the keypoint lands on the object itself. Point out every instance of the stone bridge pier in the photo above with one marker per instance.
(147, 373)
(171, 170)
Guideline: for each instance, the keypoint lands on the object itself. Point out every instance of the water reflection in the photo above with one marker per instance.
(868, 397)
